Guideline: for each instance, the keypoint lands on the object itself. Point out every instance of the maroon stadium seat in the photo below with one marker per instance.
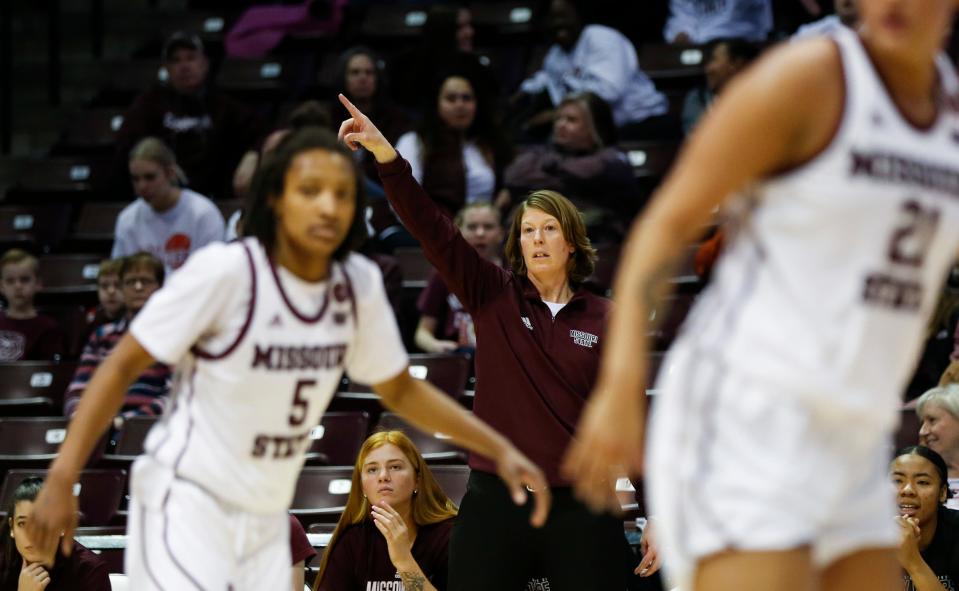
(70, 273)
(435, 448)
(96, 226)
(416, 269)
(100, 492)
(129, 441)
(91, 131)
(452, 479)
(321, 494)
(448, 372)
(34, 227)
(33, 388)
(337, 439)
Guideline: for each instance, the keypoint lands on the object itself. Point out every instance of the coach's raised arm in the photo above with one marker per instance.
(538, 339)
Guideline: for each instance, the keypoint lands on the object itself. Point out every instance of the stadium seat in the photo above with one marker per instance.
(366, 402)
(321, 494)
(337, 439)
(90, 132)
(40, 227)
(505, 20)
(261, 80)
(650, 160)
(453, 480)
(30, 442)
(435, 448)
(99, 493)
(58, 179)
(33, 388)
(127, 79)
(416, 269)
(70, 273)
(673, 66)
(128, 443)
(392, 23)
(95, 228)
(448, 372)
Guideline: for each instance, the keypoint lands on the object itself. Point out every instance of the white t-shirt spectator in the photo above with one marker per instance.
(604, 62)
(480, 176)
(170, 236)
(707, 20)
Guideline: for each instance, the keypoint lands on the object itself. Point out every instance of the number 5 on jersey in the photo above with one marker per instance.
(300, 407)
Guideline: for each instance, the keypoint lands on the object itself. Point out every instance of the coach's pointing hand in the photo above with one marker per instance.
(358, 131)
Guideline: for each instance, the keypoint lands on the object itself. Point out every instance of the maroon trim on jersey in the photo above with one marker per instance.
(289, 304)
(940, 105)
(349, 290)
(143, 548)
(197, 351)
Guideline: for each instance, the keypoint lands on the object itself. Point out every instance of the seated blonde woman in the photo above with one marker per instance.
(396, 523)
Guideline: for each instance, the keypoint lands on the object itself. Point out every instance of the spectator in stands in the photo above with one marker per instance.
(306, 113)
(538, 335)
(141, 275)
(166, 220)
(581, 161)
(846, 15)
(938, 365)
(109, 295)
(929, 532)
(447, 45)
(397, 518)
(360, 75)
(457, 152)
(208, 130)
(25, 334)
(938, 411)
(698, 22)
(727, 57)
(23, 568)
(445, 326)
(598, 59)
(302, 552)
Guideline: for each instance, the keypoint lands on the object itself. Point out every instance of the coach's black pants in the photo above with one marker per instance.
(493, 547)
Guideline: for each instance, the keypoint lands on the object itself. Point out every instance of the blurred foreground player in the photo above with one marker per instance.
(768, 445)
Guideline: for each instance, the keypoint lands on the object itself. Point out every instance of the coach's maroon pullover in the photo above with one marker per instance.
(533, 372)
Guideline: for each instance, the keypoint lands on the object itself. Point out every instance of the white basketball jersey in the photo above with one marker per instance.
(832, 269)
(263, 367)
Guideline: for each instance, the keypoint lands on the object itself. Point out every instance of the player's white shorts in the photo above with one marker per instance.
(181, 538)
(734, 464)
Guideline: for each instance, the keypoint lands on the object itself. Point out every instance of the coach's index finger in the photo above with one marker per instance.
(354, 112)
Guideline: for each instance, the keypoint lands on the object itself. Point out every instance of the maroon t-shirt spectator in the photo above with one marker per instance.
(29, 339)
(81, 571)
(453, 322)
(533, 372)
(300, 548)
(360, 559)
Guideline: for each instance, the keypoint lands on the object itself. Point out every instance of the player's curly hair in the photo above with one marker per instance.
(429, 505)
(268, 183)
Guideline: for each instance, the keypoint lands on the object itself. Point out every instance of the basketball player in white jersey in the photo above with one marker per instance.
(260, 331)
(768, 443)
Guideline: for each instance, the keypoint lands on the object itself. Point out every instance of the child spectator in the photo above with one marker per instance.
(140, 276)
(109, 295)
(25, 334)
(445, 325)
(166, 220)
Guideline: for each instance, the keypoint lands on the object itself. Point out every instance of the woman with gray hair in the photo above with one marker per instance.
(580, 161)
(938, 411)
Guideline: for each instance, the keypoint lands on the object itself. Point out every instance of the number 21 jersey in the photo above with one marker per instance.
(833, 268)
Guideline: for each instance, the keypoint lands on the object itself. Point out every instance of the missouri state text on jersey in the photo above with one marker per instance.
(298, 357)
(899, 285)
